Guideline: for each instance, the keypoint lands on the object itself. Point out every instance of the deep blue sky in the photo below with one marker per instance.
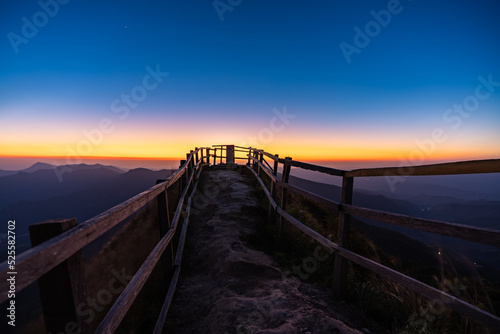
(226, 77)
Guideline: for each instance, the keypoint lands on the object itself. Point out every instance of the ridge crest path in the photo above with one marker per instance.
(226, 286)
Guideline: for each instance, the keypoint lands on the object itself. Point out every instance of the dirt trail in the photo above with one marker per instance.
(228, 287)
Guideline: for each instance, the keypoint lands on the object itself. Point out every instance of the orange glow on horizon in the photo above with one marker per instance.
(303, 142)
(297, 153)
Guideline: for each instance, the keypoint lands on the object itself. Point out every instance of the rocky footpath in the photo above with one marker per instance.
(227, 286)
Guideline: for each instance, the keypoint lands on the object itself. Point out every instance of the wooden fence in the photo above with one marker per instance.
(259, 164)
(57, 245)
(55, 260)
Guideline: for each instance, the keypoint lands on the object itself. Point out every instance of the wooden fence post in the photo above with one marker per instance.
(230, 155)
(165, 223)
(275, 170)
(341, 264)
(189, 163)
(192, 163)
(261, 160)
(181, 179)
(197, 158)
(259, 157)
(284, 178)
(63, 288)
(249, 155)
(187, 172)
(271, 214)
(215, 156)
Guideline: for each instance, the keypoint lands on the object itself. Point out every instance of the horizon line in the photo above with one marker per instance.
(385, 159)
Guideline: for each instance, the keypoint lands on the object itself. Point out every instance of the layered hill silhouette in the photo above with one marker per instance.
(42, 181)
(31, 197)
(37, 166)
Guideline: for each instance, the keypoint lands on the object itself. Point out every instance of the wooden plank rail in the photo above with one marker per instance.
(450, 168)
(177, 265)
(481, 235)
(434, 294)
(126, 298)
(38, 260)
(115, 315)
(266, 169)
(128, 295)
(43, 258)
(315, 168)
(346, 209)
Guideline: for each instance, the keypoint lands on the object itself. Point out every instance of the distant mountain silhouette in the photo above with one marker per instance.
(42, 181)
(94, 166)
(44, 184)
(85, 192)
(37, 166)
(63, 169)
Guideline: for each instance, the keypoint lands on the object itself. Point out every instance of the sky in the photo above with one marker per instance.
(415, 81)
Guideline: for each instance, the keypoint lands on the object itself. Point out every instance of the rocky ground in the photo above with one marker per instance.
(228, 286)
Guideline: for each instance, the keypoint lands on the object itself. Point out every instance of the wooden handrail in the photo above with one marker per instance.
(316, 168)
(449, 168)
(177, 263)
(128, 295)
(126, 298)
(265, 169)
(480, 235)
(38, 260)
(464, 232)
(41, 259)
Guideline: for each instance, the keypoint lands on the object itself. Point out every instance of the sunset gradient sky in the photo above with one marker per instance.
(89, 78)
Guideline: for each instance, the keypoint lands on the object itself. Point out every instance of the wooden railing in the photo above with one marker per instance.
(57, 252)
(43, 262)
(258, 164)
